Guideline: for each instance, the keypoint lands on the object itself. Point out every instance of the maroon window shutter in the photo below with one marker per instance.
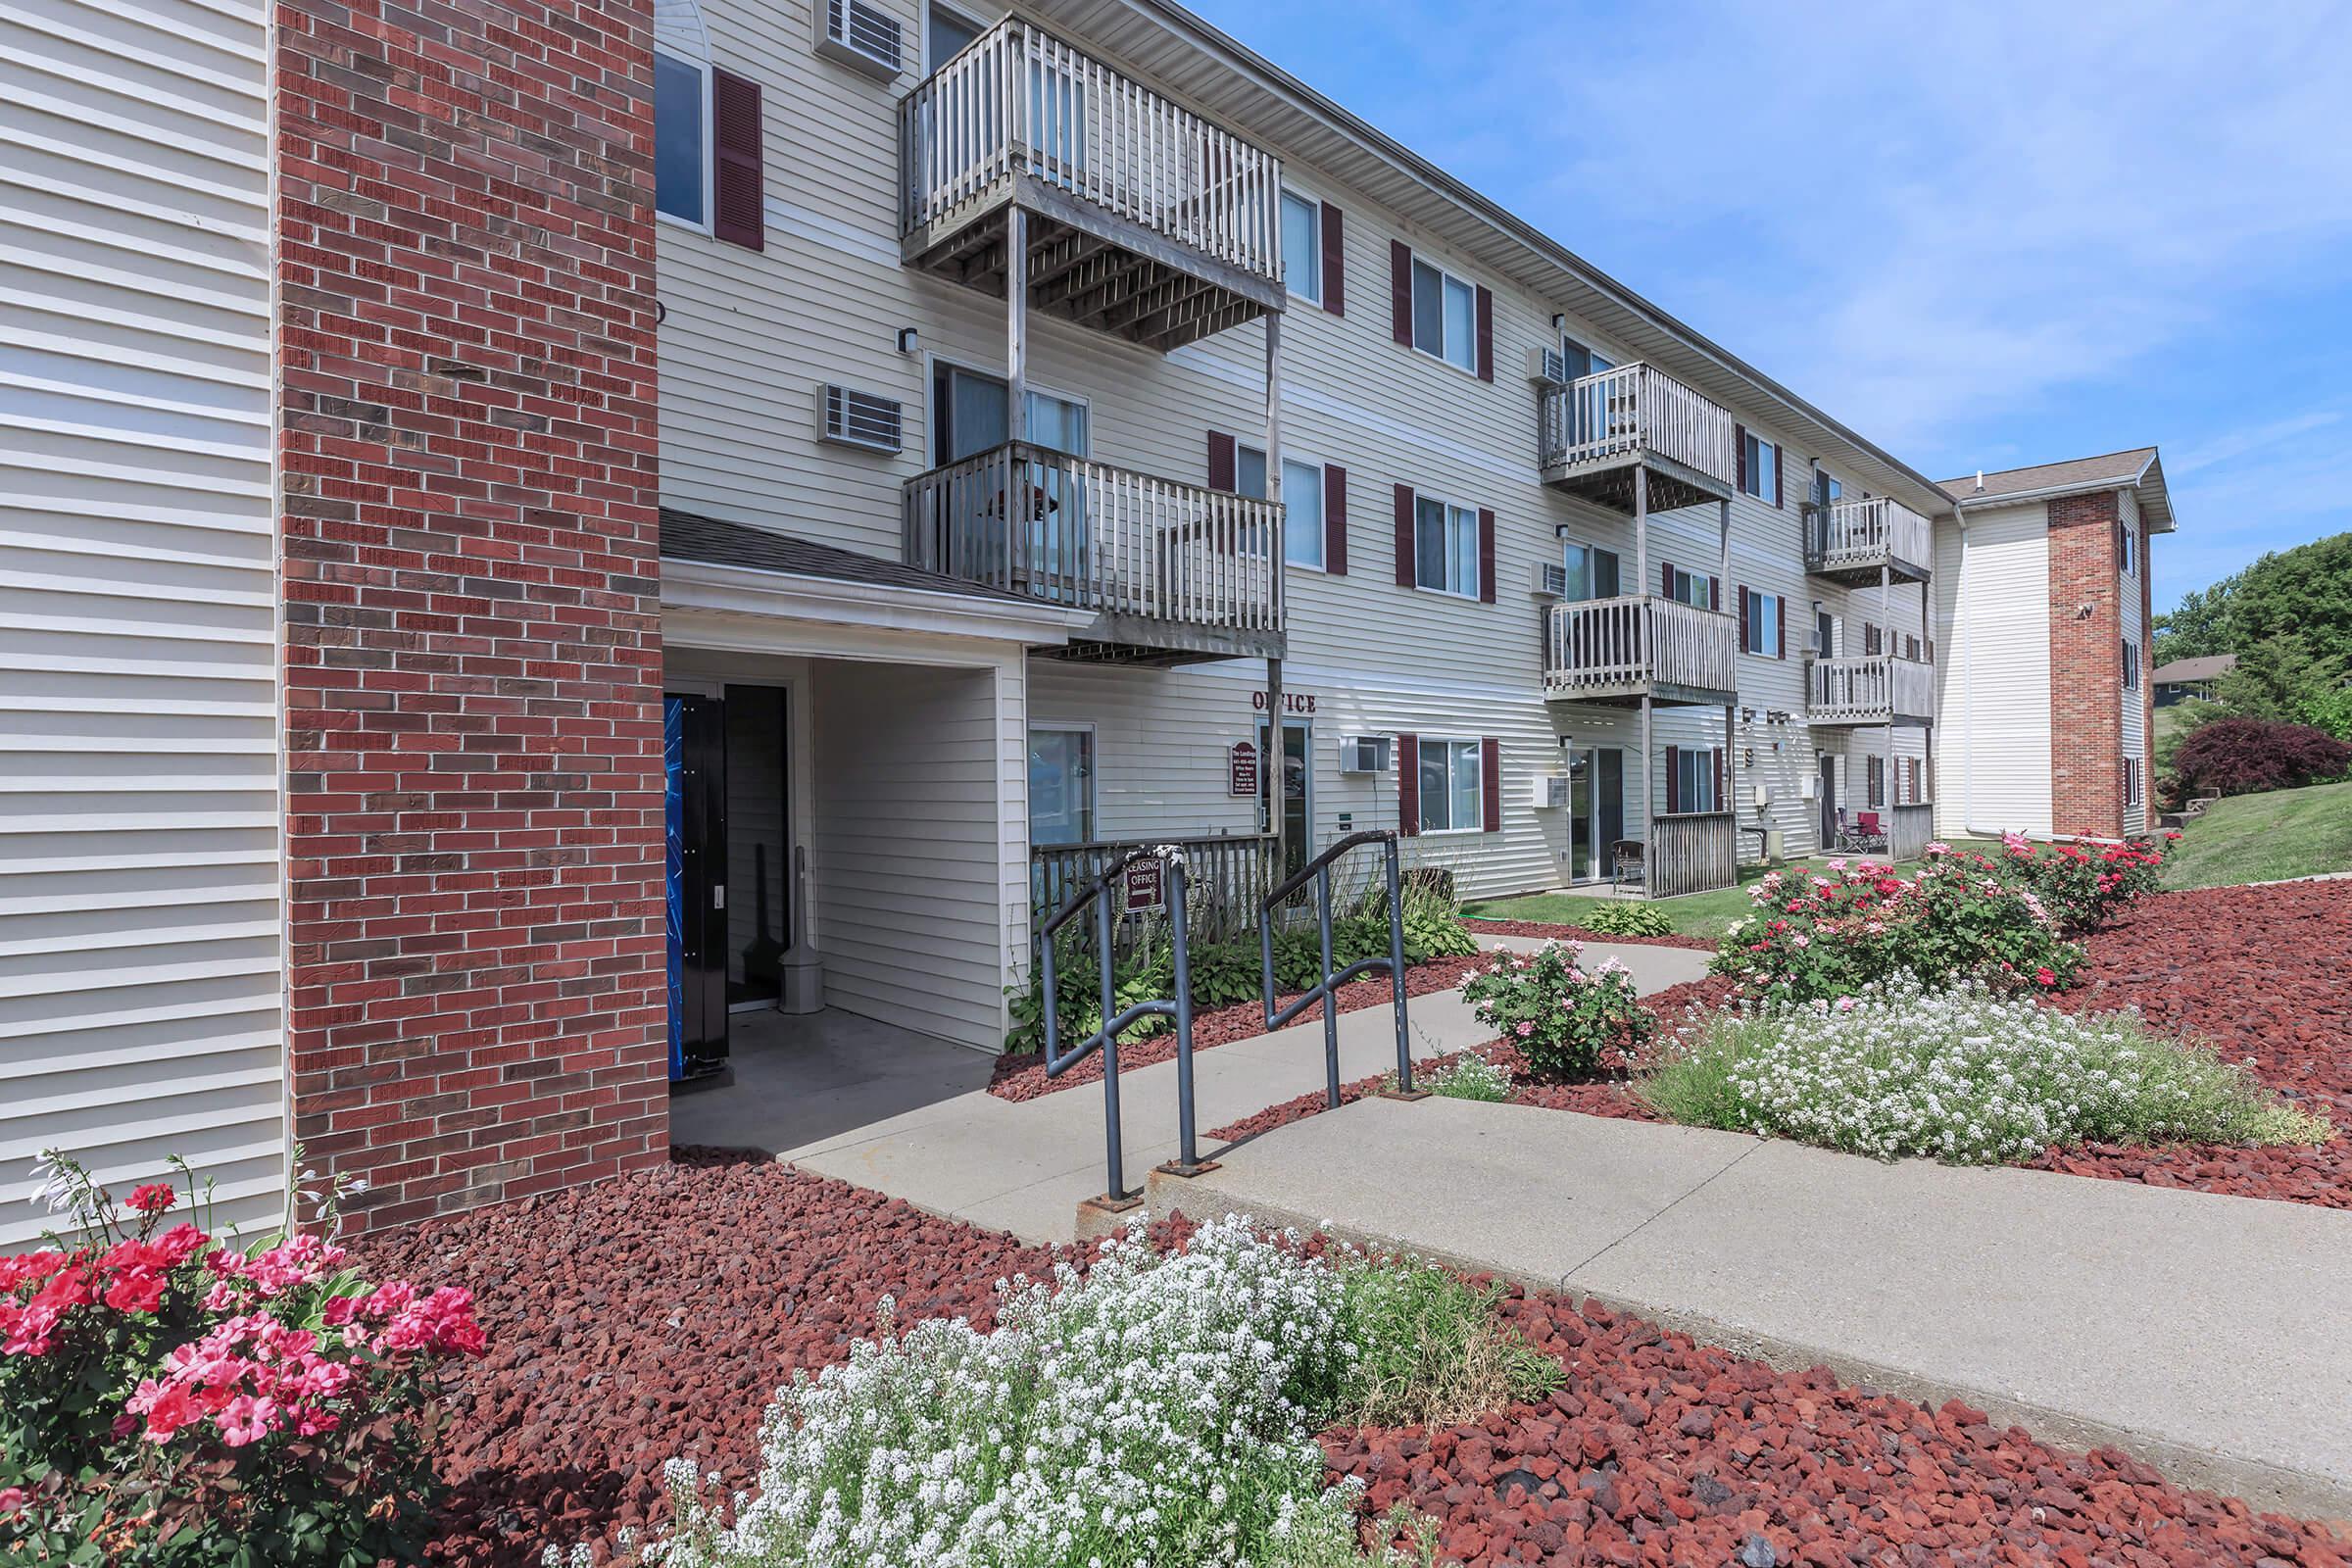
(1739, 457)
(739, 199)
(1489, 782)
(1335, 261)
(1400, 292)
(1744, 617)
(1930, 650)
(1714, 593)
(1486, 334)
(1674, 779)
(1666, 578)
(1224, 462)
(1408, 784)
(1405, 536)
(1779, 624)
(1334, 519)
(1780, 462)
(1486, 554)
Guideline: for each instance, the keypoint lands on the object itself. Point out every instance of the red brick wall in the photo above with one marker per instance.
(2148, 667)
(472, 662)
(2086, 668)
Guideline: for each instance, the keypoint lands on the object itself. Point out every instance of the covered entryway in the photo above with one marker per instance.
(848, 802)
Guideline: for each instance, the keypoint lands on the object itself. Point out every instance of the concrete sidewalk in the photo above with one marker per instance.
(1025, 1166)
(2210, 1336)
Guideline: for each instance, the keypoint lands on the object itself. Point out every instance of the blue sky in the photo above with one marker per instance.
(1984, 235)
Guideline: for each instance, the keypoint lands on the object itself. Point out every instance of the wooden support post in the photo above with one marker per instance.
(1016, 324)
(1270, 774)
(1649, 799)
(1640, 535)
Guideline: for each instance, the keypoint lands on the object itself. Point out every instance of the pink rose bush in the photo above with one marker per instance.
(1959, 915)
(2085, 885)
(166, 1397)
(1565, 1019)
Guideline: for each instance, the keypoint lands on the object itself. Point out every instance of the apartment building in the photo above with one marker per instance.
(532, 531)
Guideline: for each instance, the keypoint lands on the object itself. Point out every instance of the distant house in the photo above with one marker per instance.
(2190, 677)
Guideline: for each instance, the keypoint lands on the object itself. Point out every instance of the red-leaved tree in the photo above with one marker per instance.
(2240, 755)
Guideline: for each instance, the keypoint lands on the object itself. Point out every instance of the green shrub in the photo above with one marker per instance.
(1558, 1015)
(1145, 972)
(1434, 1351)
(1824, 937)
(1623, 918)
(1963, 1073)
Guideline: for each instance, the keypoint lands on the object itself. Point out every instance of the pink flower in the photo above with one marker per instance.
(246, 1419)
(1524, 1029)
(154, 1197)
(12, 1502)
(2044, 977)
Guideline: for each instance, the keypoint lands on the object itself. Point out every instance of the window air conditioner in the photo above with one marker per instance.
(863, 36)
(1551, 792)
(853, 418)
(1365, 754)
(1551, 580)
(1813, 648)
(1546, 366)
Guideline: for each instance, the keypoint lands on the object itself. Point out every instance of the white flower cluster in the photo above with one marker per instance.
(1962, 1074)
(1470, 1077)
(1156, 1411)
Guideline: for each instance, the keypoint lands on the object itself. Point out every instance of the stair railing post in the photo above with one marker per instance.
(1116, 1189)
(1185, 1154)
(1331, 1000)
(1405, 1047)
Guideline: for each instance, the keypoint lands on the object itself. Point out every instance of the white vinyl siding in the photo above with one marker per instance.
(139, 824)
(1993, 584)
(2130, 605)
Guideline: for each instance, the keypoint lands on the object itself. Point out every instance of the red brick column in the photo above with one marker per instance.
(2086, 668)
(472, 659)
(2147, 669)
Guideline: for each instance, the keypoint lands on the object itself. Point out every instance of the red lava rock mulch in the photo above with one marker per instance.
(2260, 973)
(1022, 1076)
(1657, 1451)
(657, 1314)
(1577, 933)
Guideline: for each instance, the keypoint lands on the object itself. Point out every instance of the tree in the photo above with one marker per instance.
(2199, 626)
(2305, 592)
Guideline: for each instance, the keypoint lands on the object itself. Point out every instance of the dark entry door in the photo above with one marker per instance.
(1828, 803)
(1608, 825)
(694, 750)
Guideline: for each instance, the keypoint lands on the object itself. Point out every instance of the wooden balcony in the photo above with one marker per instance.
(1691, 851)
(1615, 651)
(1874, 689)
(1175, 573)
(1598, 430)
(1851, 540)
(1145, 221)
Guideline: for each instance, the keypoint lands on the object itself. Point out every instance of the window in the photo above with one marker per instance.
(2130, 546)
(1301, 502)
(1061, 786)
(1581, 361)
(2130, 665)
(1303, 246)
(1591, 571)
(1762, 623)
(2132, 780)
(1445, 316)
(1446, 547)
(1825, 631)
(967, 415)
(1683, 588)
(1878, 781)
(1757, 468)
(946, 33)
(682, 139)
(1694, 779)
(1453, 795)
(1825, 488)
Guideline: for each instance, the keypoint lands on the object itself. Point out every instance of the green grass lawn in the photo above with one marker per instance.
(2264, 838)
(1694, 914)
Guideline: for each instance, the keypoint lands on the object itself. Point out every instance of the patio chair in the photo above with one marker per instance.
(1627, 853)
(1870, 834)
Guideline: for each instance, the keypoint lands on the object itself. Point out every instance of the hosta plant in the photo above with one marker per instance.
(1960, 914)
(1562, 1017)
(169, 1399)
(1963, 1073)
(1625, 918)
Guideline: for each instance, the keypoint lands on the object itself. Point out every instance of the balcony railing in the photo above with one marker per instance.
(1909, 830)
(1226, 878)
(1170, 565)
(1020, 115)
(1873, 689)
(1691, 851)
(1631, 415)
(1635, 643)
(1858, 537)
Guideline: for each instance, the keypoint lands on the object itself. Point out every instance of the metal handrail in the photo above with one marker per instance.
(1106, 1039)
(1325, 988)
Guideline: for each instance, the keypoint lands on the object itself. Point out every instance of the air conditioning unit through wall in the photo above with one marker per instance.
(1548, 365)
(1365, 754)
(1551, 580)
(863, 36)
(849, 417)
(1550, 792)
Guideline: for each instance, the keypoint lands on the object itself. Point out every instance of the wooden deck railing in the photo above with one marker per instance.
(1017, 101)
(1691, 851)
(1226, 876)
(1072, 531)
(1870, 689)
(1847, 534)
(1909, 830)
(1612, 647)
(1631, 410)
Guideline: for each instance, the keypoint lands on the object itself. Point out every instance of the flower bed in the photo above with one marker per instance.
(1023, 1075)
(1554, 931)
